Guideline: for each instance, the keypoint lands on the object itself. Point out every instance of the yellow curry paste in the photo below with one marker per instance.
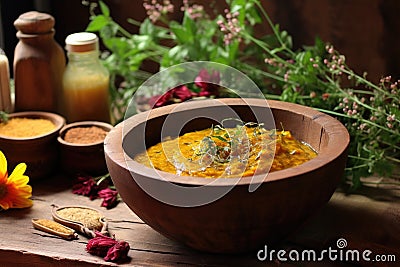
(227, 152)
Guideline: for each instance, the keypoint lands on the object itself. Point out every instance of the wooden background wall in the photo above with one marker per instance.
(366, 31)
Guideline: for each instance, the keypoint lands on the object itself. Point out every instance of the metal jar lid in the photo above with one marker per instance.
(82, 42)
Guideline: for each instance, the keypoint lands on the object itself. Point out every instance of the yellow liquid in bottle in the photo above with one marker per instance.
(86, 98)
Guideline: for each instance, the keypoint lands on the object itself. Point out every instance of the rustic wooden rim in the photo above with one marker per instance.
(58, 120)
(105, 126)
(338, 137)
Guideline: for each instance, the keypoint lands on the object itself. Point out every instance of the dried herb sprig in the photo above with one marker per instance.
(3, 117)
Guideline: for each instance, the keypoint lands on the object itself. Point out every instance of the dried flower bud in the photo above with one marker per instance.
(109, 196)
(118, 252)
(100, 244)
(107, 247)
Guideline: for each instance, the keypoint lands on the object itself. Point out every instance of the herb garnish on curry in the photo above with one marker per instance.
(227, 152)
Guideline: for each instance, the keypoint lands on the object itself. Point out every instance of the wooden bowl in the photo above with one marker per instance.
(40, 153)
(255, 211)
(85, 159)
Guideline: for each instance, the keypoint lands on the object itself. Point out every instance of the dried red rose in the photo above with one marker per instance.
(161, 100)
(205, 79)
(183, 93)
(100, 244)
(107, 247)
(208, 82)
(85, 186)
(118, 252)
(109, 196)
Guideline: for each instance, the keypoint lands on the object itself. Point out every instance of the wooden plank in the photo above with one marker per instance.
(366, 222)
(21, 243)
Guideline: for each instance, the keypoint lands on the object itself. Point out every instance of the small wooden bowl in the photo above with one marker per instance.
(252, 211)
(85, 159)
(40, 152)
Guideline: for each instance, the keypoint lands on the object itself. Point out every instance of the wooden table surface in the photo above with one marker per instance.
(371, 222)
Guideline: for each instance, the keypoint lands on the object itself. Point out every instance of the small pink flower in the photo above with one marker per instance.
(154, 10)
(286, 76)
(391, 117)
(231, 27)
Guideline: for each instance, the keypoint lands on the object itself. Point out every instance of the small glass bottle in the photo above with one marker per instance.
(85, 80)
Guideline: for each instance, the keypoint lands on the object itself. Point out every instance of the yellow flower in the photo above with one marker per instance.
(14, 189)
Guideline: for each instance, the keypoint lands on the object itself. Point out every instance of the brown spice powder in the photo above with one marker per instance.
(85, 135)
(88, 217)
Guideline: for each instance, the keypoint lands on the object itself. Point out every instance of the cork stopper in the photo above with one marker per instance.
(34, 22)
(81, 42)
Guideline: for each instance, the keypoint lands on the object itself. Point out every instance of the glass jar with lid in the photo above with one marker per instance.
(85, 80)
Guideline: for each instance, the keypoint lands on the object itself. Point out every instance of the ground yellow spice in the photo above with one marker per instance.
(26, 127)
(53, 226)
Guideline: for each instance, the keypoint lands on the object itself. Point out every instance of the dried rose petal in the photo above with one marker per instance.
(100, 244)
(118, 252)
(108, 248)
(109, 196)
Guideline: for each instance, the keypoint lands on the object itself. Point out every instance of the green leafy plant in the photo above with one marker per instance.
(316, 76)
